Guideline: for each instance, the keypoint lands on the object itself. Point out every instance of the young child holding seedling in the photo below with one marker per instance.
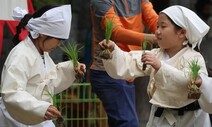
(179, 30)
(128, 18)
(29, 75)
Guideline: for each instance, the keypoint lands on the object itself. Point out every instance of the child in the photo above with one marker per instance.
(129, 17)
(29, 75)
(168, 68)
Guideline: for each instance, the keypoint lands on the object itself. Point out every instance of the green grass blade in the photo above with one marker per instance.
(144, 45)
(109, 29)
(71, 49)
(194, 67)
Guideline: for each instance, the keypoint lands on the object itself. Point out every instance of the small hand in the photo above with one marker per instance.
(150, 59)
(52, 113)
(80, 71)
(81, 68)
(110, 45)
(198, 81)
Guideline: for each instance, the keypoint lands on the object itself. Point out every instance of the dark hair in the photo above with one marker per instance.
(27, 17)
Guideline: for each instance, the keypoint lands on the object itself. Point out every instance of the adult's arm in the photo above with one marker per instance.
(105, 9)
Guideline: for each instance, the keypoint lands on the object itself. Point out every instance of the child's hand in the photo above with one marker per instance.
(51, 113)
(80, 71)
(198, 81)
(82, 67)
(110, 45)
(150, 59)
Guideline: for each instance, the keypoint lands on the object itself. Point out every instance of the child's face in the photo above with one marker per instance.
(51, 44)
(166, 34)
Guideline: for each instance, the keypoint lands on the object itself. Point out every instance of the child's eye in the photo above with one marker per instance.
(163, 26)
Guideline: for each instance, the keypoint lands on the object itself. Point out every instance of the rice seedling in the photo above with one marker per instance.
(72, 49)
(144, 46)
(60, 122)
(194, 91)
(106, 54)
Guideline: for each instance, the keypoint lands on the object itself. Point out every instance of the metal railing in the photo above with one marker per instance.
(80, 107)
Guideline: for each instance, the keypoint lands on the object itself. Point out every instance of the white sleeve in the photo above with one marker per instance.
(65, 76)
(205, 100)
(21, 105)
(125, 65)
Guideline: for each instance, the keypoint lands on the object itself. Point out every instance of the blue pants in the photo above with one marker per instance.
(118, 98)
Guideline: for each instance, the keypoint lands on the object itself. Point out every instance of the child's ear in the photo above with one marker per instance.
(182, 33)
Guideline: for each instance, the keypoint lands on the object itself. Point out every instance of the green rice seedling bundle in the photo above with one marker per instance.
(60, 122)
(106, 54)
(144, 46)
(194, 91)
(72, 49)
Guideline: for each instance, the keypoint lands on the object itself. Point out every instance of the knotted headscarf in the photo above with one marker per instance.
(196, 29)
(55, 22)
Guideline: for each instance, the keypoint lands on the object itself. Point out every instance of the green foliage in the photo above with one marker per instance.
(194, 67)
(54, 99)
(59, 121)
(144, 45)
(105, 54)
(109, 29)
(72, 49)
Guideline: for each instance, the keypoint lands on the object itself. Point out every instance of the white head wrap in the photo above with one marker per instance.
(196, 29)
(55, 22)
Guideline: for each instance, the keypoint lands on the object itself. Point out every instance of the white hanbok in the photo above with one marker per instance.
(7, 121)
(27, 80)
(205, 100)
(167, 87)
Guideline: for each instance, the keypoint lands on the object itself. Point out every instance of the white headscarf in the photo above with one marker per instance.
(55, 22)
(196, 29)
